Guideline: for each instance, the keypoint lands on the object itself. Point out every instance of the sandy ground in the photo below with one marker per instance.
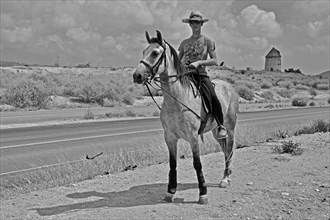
(265, 185)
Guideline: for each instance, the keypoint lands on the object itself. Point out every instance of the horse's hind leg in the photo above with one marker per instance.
(172, 177)
(227, 146)
(198, 167)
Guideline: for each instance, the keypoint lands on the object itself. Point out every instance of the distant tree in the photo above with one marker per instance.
(291, 70)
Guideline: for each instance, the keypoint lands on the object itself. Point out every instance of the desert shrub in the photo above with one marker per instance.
(128, 98)
(286, 84)
(312, 104)
(291, 70)
(89, 114)
(267, 94)
(280, 134)
(300, 102)
(314, 83)
(316, 126)
(266, 85)
(285, 93)
(312, 92)
(252, 85)
(249, 84)
(322, 86)
(27, 93)
(130, 113)
(245, 92)
(288, 147)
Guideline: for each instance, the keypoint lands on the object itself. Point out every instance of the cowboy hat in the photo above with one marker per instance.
(195, 16)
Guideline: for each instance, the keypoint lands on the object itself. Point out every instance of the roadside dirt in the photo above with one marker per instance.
(265, 185)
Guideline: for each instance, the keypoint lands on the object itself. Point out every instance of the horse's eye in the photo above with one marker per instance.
(154, 53)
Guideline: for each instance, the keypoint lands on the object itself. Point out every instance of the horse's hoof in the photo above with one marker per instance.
(169, 197)
(225, 183)
(203, 200)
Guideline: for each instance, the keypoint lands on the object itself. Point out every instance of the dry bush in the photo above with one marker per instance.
(266, 85)
(27, 93)
(249, 84)
(314, 83)
(245, 92)
(267, 95)
(322, 86)
(285, 93)
(288, 147)
(300, 102)
(312, 92)
(286, 84)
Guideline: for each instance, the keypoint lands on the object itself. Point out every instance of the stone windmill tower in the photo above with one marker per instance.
(273, 60)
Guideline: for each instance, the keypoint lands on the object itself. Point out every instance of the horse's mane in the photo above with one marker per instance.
(180, 69)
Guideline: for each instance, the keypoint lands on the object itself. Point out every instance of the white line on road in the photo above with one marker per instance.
(282, 116)
(136, 132)
(41, 167)
(78, 139)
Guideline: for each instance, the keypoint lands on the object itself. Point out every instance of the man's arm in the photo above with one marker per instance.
(210, 62)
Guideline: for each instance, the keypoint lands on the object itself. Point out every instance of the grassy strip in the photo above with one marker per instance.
(154, 153)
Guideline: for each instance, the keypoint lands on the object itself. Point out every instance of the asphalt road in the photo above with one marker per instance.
(26, 148)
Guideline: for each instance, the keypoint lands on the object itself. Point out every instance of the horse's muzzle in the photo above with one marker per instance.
(137, 78)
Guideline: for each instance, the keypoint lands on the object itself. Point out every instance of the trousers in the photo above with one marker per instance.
(209, 96)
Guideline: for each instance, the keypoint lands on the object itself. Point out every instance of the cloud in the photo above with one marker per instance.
(53, 42)
(259, 22)
(319, 28)
(82, 36)
(17, 34)
(108, 42)
(315, 7)
(65, 20)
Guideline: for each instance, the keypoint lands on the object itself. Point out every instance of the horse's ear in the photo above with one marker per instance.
(147, 36)
(159, 37)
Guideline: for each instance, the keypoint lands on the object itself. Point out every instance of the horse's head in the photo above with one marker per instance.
(154, 60)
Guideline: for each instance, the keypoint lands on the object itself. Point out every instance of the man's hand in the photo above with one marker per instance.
(194, 65)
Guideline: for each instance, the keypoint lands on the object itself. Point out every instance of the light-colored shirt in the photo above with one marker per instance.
(194, 49)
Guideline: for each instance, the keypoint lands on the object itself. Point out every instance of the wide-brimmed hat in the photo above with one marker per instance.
(195, 16)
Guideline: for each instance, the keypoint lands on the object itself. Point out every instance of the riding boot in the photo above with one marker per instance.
(222, 132)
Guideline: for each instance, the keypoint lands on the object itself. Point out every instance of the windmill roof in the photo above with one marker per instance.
(273, 53)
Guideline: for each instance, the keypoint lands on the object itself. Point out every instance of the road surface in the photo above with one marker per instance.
(27, 148)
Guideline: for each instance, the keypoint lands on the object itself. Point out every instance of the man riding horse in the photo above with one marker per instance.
(193, 53)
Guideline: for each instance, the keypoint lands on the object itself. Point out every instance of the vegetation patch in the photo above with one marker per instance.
(245, 93)
(288, 147)
(300, 102)
(315, 127)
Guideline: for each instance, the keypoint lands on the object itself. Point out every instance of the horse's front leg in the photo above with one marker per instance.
(172, 177)
(198, 167)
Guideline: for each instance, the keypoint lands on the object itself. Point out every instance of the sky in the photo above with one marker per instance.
(112, 33)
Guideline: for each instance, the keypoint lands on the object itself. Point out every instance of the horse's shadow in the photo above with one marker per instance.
(135, 196)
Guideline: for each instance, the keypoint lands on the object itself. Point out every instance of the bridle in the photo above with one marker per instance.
(153, 74)
(154, 69)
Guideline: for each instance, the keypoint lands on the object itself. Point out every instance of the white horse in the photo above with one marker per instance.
(178, 111)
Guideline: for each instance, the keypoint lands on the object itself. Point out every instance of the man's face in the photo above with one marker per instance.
(195, 25)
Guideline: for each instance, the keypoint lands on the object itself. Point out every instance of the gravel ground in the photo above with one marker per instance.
(265, 185)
